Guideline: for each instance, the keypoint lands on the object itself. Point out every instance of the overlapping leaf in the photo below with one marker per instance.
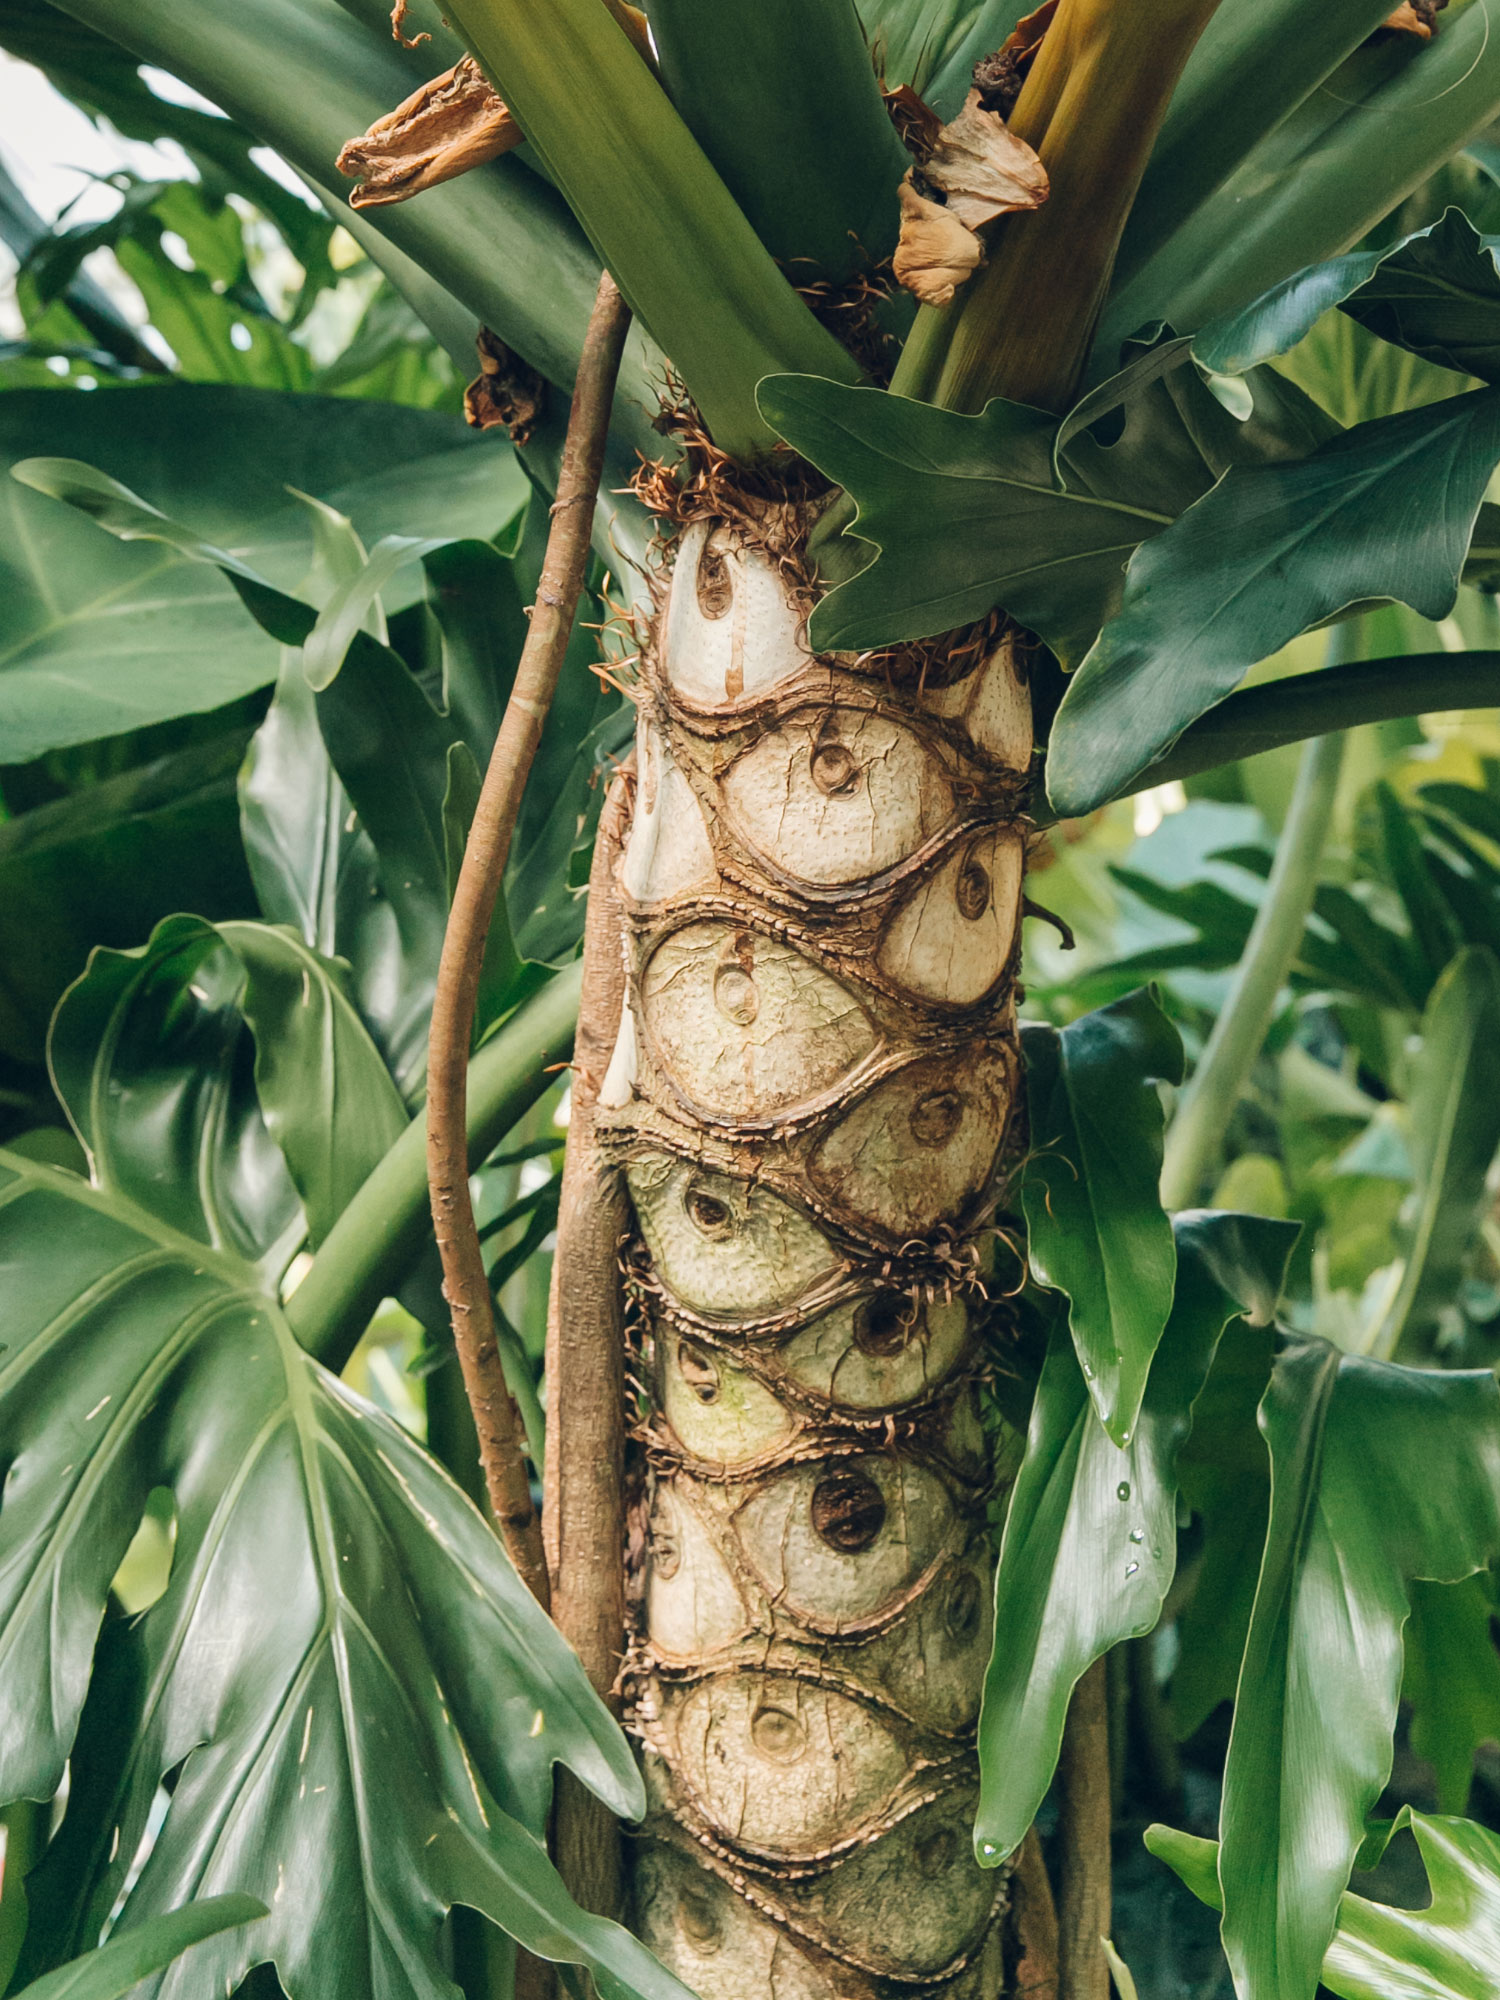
(106, 864)
(97, 636)
(117, 1968)
(1454, 1131)
(1012, 507)
(360, 1700)
(1356, 1516)
(1386, 510)
(1090, 1537)
(1447, 1951)
(1094, 1219)
(1435, 293)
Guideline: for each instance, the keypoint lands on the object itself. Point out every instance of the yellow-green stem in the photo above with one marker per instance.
(1091, 106)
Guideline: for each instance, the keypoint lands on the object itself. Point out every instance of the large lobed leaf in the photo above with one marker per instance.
(1012, 506)
(359, 1699)
(1090, 1538)
(1094, 1221)
(1447, 1951)
(1386, 510)
(1357, 1515)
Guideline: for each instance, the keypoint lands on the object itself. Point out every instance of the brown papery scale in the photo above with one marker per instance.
(814, 1075)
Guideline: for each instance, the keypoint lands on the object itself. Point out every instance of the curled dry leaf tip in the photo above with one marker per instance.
(454, 122)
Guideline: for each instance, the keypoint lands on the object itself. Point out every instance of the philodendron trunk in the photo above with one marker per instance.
(813, 1078)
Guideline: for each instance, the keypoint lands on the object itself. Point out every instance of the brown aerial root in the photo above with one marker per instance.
(465, 1281)
(454, 122)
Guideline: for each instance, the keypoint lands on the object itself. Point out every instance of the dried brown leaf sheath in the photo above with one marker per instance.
(977, 170)
(936, 253)
(983, 168)
(451, 124)
(506, 391)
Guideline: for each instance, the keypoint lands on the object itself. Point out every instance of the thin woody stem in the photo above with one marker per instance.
(465, 1282)
(1084, 1898)
(584, 1505)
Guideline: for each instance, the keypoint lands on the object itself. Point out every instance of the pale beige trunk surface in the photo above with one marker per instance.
(813, 1076)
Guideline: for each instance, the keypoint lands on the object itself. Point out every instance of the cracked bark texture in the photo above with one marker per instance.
(812, 1081)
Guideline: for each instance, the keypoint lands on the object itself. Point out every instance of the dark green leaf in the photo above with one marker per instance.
(1225, 1478)
(1249, 69)
(364, 1703)
(1436, 293)
(325, 1094)
(1090, 1537)
(784, 101)
(389, 747)
(117, 1968)
(1447, 1951)
(1012, 507)
(1094, 1218)
(155, 1064)
(97, 636)
(1453, 1110)
(1356, 1516)
(1451, 1677)
(107, 863)
(315, 870)
(1327, 174)
(1383, 511)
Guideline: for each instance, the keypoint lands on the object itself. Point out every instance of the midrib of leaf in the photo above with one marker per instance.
(96, 607)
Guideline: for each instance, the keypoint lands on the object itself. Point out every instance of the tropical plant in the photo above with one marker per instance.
(983, 427)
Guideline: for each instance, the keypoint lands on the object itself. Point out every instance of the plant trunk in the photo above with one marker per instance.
(814, 1075)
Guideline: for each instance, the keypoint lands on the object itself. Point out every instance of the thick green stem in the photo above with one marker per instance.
(1091, 106)
(380, 1233)
(660, 217)
(1196, 1138)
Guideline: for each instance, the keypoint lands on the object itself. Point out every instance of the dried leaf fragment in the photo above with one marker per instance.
(983, 168)
(1415, 17)
(454, 122)
(976, 170)
(936, 253)
(917, 124)
(507, 390)
(999, 76)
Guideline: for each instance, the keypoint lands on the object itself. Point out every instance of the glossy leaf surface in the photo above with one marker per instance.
(1012, 507)
(98, 635)
(1447, 1951)
(1436, 293)
(117, 1968)
(1090, 1538)
(1386, 510)
(1094, 1220)
(1356, 1516)
(342, 1655)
